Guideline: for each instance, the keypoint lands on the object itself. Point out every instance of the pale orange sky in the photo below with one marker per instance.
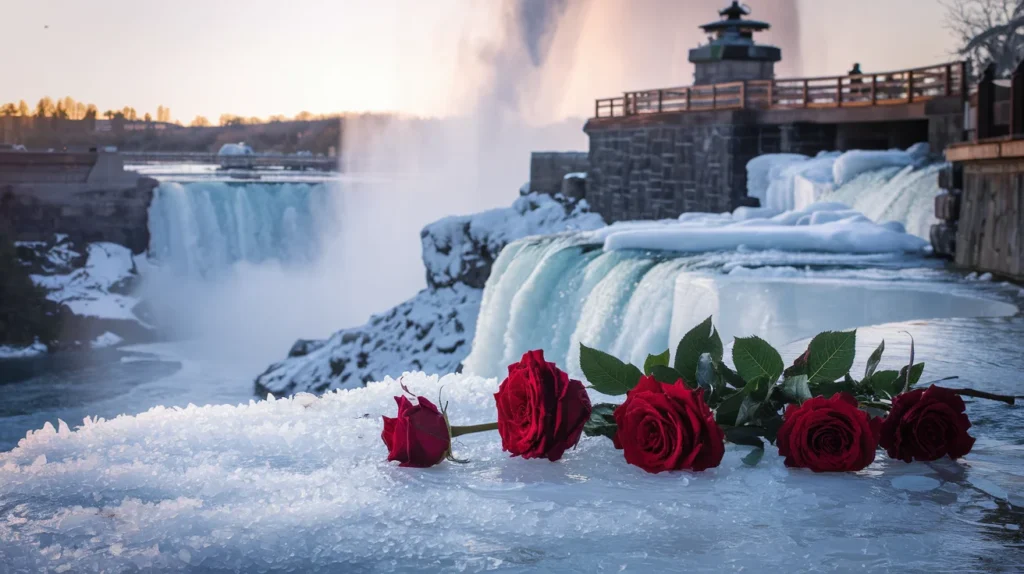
(262, 57)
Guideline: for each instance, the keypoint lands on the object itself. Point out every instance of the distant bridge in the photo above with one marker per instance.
(886, 89)
(253, 161)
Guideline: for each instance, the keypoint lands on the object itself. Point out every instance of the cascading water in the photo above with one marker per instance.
(555, 293)
(201, 228)
(905, 195)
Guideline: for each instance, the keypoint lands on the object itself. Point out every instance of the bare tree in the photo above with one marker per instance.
(988, 32)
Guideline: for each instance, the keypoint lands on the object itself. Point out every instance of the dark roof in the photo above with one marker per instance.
(732, 19)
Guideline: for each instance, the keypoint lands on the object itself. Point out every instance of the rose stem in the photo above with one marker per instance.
(983, 395)
(459, 431)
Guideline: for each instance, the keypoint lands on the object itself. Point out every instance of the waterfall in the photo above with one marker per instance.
(905, 195)
(557, 292)
(885, 186)
(198, 229)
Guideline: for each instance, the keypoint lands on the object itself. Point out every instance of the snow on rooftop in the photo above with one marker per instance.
(12, 352)
(302, 485)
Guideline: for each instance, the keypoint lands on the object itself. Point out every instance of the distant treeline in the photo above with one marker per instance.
(70, 109)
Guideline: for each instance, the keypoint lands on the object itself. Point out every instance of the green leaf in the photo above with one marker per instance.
(607, 374)
(666, 375)
(915, 375)
(754, 358)
(831, 356)
(886, 383)
(729, 408)
(748, 409)
(730, 376)
(654, 360)
(908, 373)
(746, 435)
(828, 388)
(758, 388)
(796, 389)
(874, 360)
(701, 339)
(754, 457)
(602, 421)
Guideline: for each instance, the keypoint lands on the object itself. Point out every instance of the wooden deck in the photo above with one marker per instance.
(897, 88)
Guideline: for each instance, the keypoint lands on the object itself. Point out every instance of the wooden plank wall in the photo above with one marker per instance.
(991, 228)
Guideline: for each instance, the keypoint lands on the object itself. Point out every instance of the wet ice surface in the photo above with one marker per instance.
(301, 485)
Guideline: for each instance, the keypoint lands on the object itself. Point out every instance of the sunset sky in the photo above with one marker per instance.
(262, 57)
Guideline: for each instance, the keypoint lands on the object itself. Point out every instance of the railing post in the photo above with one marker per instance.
(743, 95)
(874, 90)
(949, 79)
(714, 96)
(771, 94)
(659, 100)
(839, 92)
(910, 87)
(597, 108)
(806, 101)
(688, 99)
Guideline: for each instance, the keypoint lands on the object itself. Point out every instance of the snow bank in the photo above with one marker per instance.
(301, 485)
(99, 288)
(824, 227)
(461, 249)
(33, 350)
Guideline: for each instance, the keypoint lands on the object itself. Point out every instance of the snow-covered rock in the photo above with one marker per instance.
(461, 249)
(433, 331)
(93, 286)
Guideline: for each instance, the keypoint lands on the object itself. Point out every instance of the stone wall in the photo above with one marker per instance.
(695, 163)
(548, 169)
(87, 196)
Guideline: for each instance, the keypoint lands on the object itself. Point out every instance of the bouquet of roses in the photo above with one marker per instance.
(679, 415)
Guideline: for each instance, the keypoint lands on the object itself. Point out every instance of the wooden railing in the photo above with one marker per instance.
(887, 88)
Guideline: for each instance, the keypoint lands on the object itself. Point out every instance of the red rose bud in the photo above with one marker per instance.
(541, 412)
(927, 424)
(418, 437)
(828, 435)
(668, 427)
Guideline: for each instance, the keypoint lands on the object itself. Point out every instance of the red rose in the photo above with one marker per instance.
(927, 424)
(419, 436)
(828, 435)
(668, 427)
(541, 412)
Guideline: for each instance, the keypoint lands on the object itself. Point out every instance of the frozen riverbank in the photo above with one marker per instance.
(301, 484)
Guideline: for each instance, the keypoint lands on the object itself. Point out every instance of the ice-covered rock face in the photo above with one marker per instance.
(302, 485)
(461, 249)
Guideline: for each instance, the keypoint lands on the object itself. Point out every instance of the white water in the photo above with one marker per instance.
(555, 294)
(906, 195)
(200, 229)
